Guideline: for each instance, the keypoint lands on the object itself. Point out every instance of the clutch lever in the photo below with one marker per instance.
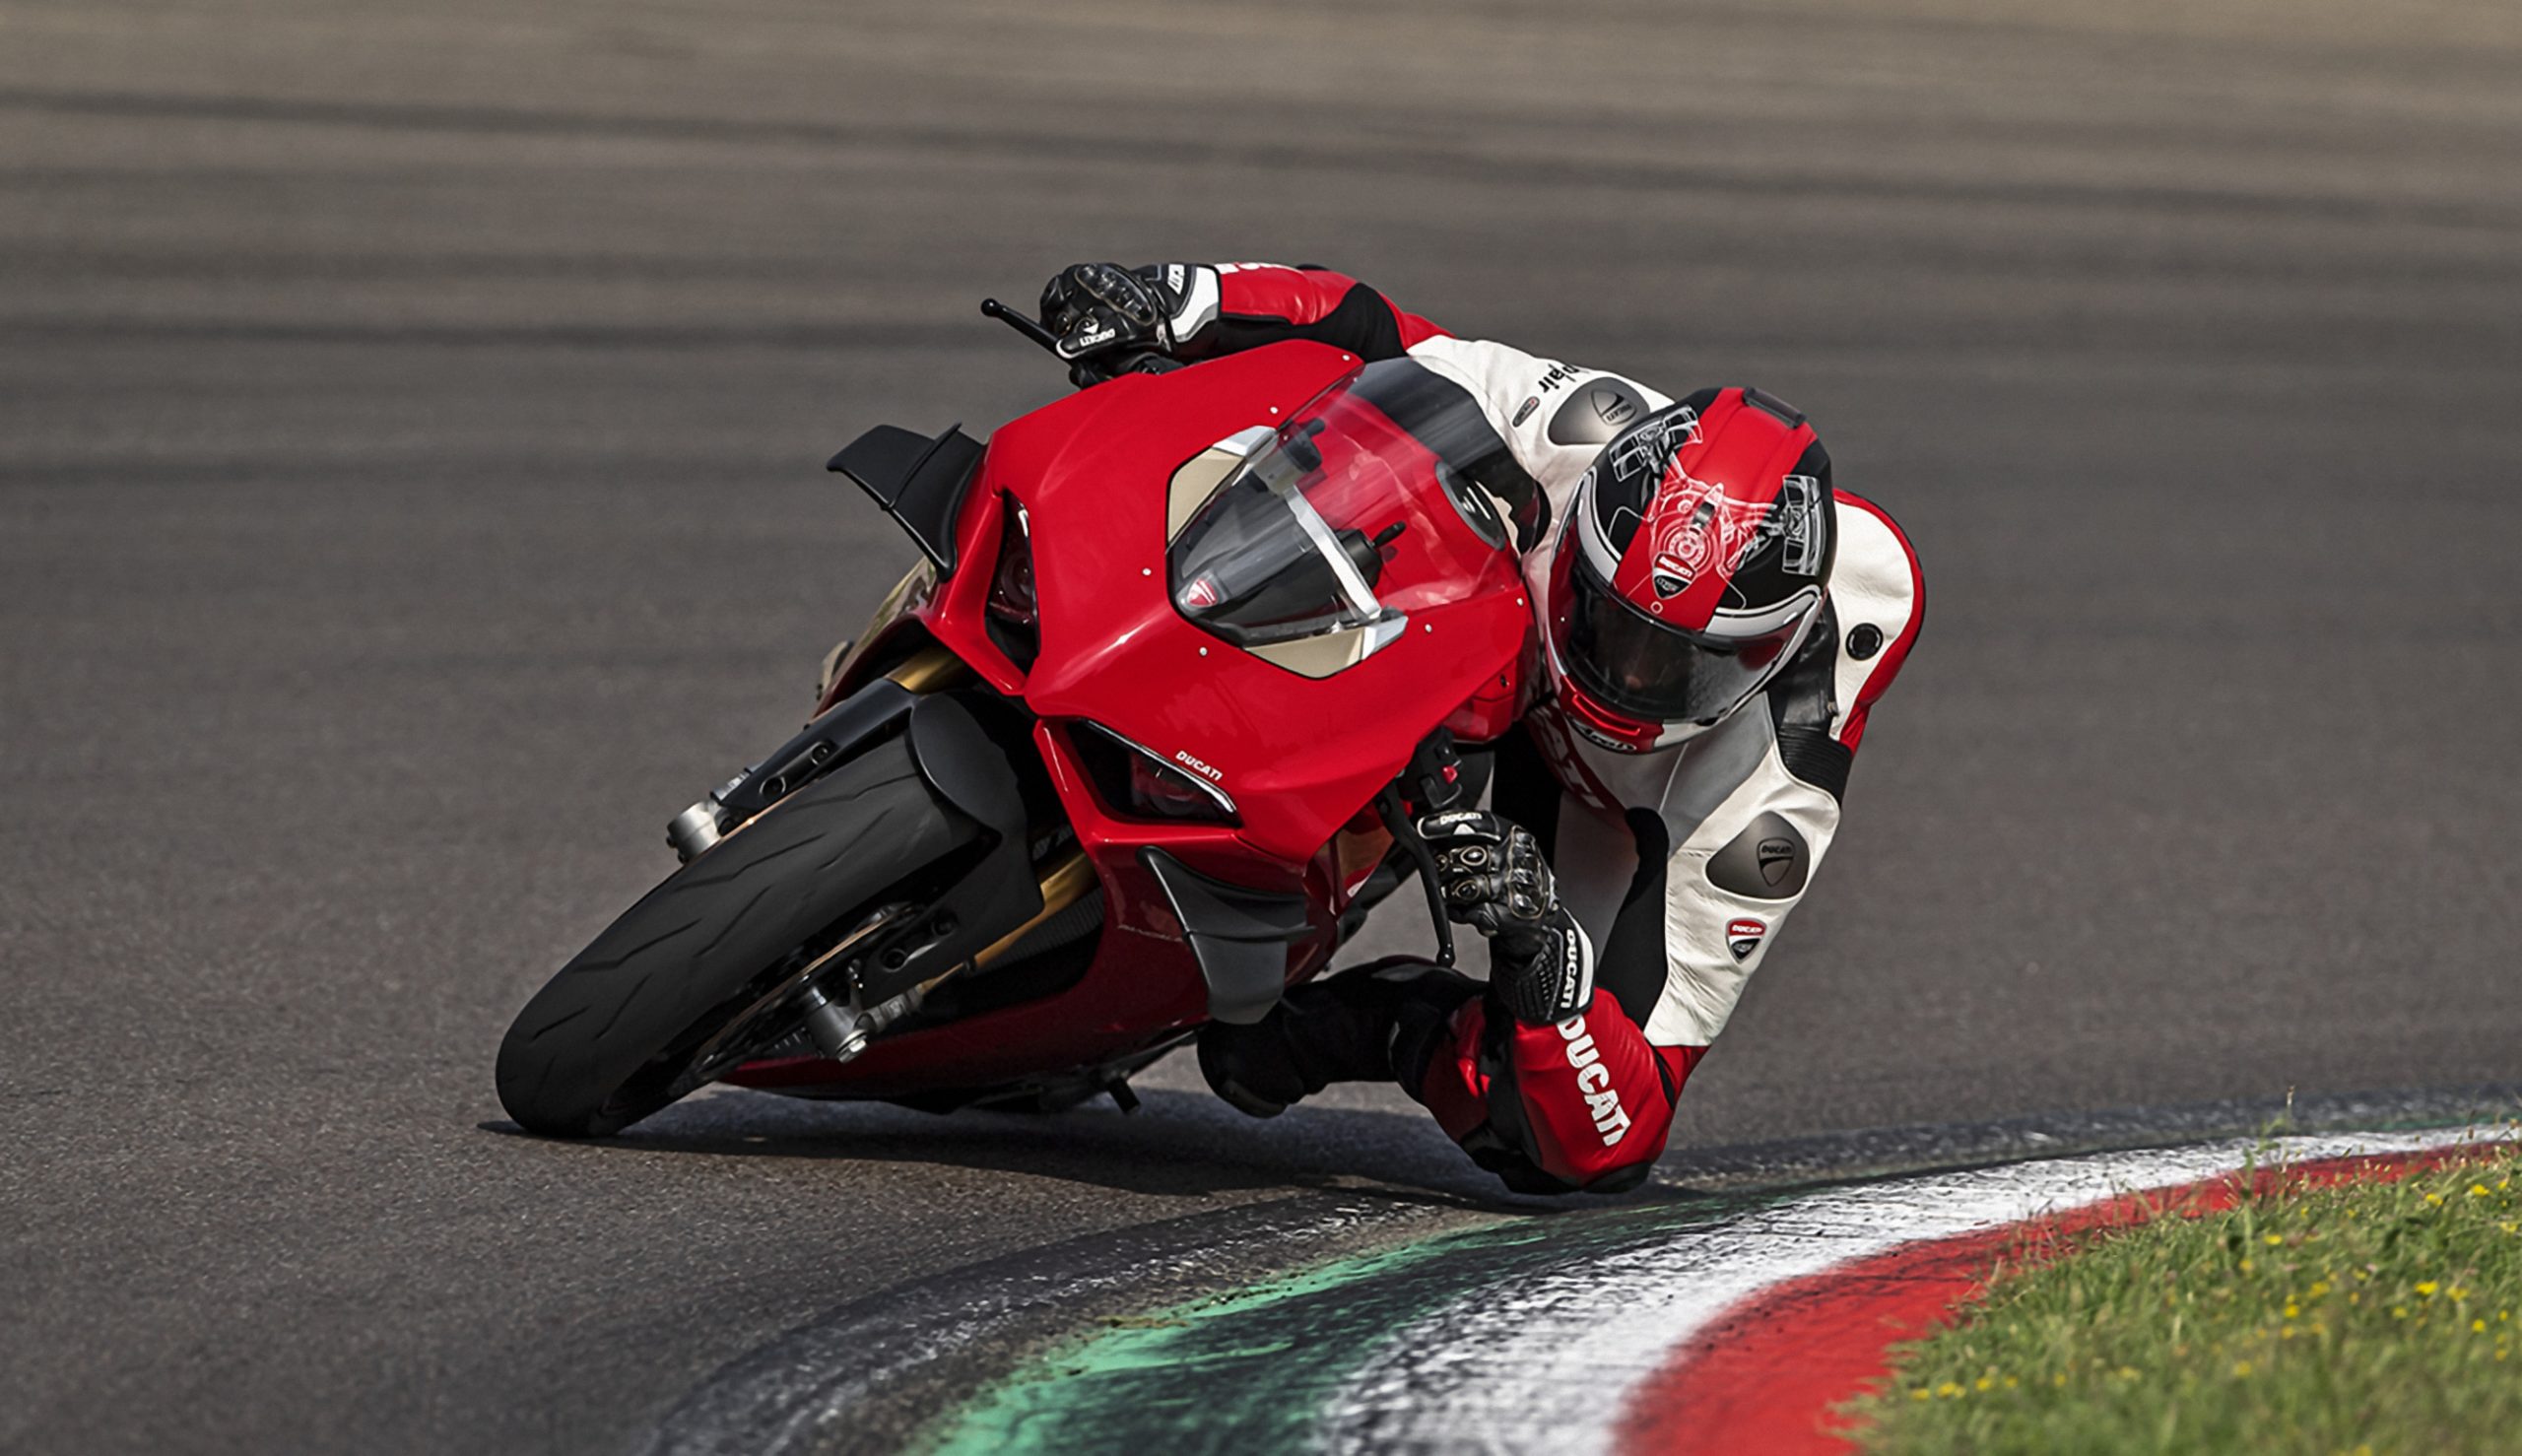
(1396, 820)
(1434, 777)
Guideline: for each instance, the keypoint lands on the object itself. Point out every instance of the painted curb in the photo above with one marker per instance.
(1768, 1375)
(1529, 1337)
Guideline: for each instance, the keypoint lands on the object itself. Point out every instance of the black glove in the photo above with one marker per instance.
(1495, 879)
(1101, 312)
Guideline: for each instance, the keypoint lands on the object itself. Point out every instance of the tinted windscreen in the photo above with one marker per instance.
(1325, 534)
(1259, 565)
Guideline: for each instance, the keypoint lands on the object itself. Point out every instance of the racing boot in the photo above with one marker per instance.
(1373, 1022)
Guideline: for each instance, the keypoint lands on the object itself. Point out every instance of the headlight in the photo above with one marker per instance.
(1134, 781)
(1013, 616)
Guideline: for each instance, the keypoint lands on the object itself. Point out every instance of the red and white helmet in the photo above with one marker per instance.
(1691, 566)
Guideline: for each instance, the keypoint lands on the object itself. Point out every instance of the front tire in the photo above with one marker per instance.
(612, 1038)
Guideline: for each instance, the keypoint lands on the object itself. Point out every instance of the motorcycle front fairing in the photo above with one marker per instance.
(1300, 745)
(1252, 574)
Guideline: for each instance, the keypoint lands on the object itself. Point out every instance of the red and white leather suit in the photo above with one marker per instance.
(1681, 863)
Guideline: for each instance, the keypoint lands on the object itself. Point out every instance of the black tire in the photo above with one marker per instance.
(607, 1041)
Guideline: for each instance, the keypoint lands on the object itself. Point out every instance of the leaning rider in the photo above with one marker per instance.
(1716, 621)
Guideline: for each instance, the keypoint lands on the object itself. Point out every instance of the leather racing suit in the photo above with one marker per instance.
(1679, 864)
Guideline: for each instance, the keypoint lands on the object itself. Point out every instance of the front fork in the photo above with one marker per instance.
(816, 749)
(842, 1029)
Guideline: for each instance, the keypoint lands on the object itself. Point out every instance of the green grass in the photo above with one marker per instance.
(2370, 1318)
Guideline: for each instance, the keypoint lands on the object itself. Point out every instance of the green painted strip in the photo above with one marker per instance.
(1249, 1370)
(1187, 1375)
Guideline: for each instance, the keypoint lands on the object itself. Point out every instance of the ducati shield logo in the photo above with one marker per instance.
(1743, 936)
(1611, 407)
(1776, 857)
(1672, 571)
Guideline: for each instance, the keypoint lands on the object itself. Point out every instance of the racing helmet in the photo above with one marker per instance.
(1692, 565)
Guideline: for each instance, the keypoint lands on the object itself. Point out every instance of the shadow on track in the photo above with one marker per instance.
(1179, 1144)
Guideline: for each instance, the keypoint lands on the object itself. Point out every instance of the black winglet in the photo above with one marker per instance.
(919, 481)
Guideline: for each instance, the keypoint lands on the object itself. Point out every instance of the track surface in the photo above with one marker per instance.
(408, 430)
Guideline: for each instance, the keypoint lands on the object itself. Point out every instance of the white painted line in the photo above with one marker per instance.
(1545, 1364)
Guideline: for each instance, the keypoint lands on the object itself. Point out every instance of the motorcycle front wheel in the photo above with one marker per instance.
(628, 1026)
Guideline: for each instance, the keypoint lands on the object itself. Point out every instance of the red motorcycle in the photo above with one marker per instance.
(1132, 746)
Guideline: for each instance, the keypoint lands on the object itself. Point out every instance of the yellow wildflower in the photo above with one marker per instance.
(2241, 1370)
(2427, 1288)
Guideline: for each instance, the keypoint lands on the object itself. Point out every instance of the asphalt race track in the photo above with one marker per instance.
(411, 422)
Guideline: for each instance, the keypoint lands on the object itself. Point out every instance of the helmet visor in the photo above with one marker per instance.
(1655, 672)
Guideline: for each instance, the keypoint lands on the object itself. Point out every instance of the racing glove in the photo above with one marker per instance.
(1495, 879)
(1103, 312)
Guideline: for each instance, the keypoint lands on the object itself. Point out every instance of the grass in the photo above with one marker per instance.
(2363, 1317)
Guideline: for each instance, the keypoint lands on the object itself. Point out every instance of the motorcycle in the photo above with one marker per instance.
(1134, 746)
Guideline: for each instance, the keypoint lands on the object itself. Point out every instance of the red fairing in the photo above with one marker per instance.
(1302, 758)
(1592, 1089)
(1301, 295)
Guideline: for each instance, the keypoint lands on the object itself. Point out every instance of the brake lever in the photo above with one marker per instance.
(1082, 374)
(1022, 324)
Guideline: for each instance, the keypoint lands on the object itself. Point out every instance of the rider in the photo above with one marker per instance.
(1715, 623)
